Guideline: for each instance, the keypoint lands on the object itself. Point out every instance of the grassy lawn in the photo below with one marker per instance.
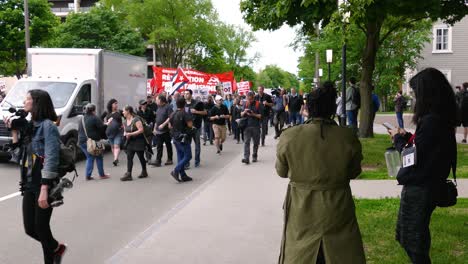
(374, 166)
(377, 221)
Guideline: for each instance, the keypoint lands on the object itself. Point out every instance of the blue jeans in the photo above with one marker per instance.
(399, 116)
(184, 154)
(352, 118)
(295, 118)
(90, 162)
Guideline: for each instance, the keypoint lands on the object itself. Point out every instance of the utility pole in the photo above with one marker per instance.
(27, 39)
(317, 55)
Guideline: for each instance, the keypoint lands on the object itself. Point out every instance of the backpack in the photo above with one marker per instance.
(356, 99)
(147, 129)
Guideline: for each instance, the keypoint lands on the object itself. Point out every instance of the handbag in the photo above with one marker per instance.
(95, 148)
(448, 191)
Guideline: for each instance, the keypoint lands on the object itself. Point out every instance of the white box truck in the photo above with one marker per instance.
(74, 77)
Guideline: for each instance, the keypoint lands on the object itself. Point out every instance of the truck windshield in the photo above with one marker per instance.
(60, 92)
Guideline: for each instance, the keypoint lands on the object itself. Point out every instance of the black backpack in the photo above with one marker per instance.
(356, 99)
(67, 161)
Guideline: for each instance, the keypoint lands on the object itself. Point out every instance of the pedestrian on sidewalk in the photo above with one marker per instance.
(424, 178)
(218, 115)
(252, 111)
(464, 110)
(114, 130)
(236, 110)
(40, 141)
(208, 128)
(92, 127)
(294, 105)
(182, 129)
(353, 101)
(400, 104)
(161, 130)
(135, 143)
(267, 102)
(320, 221)
(279, 109)
(228, 103)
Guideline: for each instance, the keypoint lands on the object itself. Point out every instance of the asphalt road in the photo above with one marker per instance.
(101, 217)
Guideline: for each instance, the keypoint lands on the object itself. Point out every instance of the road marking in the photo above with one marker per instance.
(4, 198)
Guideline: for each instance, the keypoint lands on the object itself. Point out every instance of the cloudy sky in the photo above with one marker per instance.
(273, 47)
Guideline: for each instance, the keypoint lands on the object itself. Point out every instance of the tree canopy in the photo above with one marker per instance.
(99, 28)
(274, 77)
(12, 34)
(377, 19)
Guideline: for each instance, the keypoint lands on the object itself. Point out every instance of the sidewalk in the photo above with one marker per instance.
(234, 218)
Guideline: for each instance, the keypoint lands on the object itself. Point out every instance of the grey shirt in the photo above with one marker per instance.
(349, 99)
(162, 114)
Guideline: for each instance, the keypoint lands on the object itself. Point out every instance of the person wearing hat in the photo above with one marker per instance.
(146, 113)
(218, 115)
(151, 103)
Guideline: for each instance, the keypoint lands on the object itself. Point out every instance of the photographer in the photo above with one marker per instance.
(39, 162)
(182, 126)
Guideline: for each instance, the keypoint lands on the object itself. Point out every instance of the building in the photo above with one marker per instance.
(62, 8)
(447, 52)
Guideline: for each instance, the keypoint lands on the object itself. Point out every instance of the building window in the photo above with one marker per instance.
(442, 42)
(71, 6)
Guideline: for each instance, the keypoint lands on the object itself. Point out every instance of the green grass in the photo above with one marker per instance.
(374, 166)
(377, 221)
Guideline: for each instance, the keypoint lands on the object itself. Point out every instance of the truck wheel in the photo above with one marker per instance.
(71, 142)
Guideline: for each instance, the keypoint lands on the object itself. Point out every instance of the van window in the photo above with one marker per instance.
(59, 92)
(84, 96)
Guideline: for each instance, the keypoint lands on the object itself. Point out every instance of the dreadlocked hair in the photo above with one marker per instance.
(321, 103)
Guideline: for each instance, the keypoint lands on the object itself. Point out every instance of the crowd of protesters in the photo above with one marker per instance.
(180, 120)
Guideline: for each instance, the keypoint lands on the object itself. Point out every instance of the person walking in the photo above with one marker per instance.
(352, 103)
(252, 111)
(39, 171)
(279, 112)
(209, 133)
(219, 114)
(228, 103)
(145, 112)
(320, 221)
(424, 178)
(182, 129)
(267, 102)
(161, 130)
(114, 130)
(135, 143)
(197, 110)
(339, 110)
(236, 110)
(295, 103)
(93, 128)
(400, 104)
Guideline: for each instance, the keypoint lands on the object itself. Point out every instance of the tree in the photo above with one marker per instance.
(273, 77)
(370, 16)
(99, 28)
(12, 40)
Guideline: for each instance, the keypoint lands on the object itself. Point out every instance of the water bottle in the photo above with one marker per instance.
(393, 160)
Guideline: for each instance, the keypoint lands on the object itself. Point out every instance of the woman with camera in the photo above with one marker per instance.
(39, 171)
(181, 124)
(93, 128)
(428, 157)
(135, 142)
(320, 223)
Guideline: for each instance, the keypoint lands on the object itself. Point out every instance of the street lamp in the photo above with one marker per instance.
(27, 39)
(320, 72)
(329, 61)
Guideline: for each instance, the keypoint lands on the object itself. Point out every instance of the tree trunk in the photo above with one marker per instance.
(366, 127)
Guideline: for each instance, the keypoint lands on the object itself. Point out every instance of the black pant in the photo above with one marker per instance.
(264, 128)
(251, 133)
(280, 118)
(141, 157)
(229, 126)
(163, 139)
(37, 225)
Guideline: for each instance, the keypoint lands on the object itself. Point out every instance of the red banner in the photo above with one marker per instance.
(200, 83)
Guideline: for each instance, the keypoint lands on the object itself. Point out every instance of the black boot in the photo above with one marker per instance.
(127, 177)
(143, 174)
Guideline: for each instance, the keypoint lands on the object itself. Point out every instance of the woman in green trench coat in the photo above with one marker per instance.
(320, 158)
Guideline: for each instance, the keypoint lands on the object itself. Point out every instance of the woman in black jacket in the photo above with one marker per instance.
(436, 155)
(95, 130)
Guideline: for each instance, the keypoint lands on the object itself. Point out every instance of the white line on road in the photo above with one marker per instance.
(4, 198)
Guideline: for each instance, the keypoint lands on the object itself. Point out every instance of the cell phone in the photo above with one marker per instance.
(388, 126)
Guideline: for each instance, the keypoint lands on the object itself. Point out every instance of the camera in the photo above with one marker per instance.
(20, 121)
(55, 195)
(276, 91)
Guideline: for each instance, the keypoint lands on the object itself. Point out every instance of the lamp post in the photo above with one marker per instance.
(345, 15)
(329, 61)
(27, 39)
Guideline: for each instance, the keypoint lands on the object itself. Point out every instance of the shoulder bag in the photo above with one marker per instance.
(95, 148)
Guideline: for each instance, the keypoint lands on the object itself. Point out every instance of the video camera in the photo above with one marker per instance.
(55, 195)
(276, 92)
(18, 119)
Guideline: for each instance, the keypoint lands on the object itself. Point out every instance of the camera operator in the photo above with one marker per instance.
(39, 162)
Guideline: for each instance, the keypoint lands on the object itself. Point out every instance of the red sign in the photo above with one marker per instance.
(199, 82)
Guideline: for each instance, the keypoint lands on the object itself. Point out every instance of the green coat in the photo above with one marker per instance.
(319, 207)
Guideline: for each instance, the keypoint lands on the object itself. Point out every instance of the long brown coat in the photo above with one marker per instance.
(320, 158)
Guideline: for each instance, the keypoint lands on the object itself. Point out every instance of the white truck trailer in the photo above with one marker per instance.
(74, 77)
